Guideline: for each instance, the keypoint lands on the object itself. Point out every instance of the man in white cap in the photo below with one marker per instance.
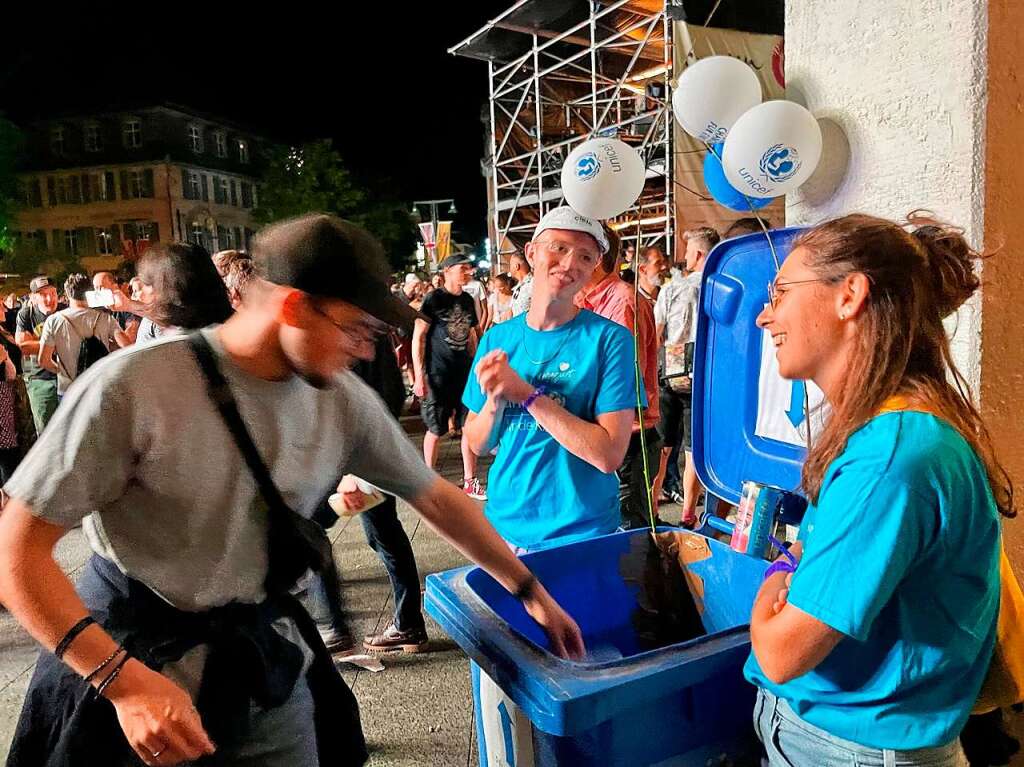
(553, 390)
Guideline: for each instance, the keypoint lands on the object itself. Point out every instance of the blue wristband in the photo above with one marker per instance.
(540, 391)
(780, 566)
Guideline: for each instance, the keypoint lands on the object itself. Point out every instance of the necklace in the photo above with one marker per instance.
(544, 361)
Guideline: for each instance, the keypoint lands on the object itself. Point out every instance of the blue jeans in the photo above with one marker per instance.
(792, 742)
(386, 536)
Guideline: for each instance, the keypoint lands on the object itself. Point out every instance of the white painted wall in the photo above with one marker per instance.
(906, 82)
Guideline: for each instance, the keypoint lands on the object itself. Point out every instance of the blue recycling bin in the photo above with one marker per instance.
(684, 703)
(681, 704)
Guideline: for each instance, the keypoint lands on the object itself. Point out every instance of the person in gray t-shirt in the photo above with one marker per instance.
(139, 452)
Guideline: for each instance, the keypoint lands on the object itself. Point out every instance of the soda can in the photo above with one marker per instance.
(755, 518)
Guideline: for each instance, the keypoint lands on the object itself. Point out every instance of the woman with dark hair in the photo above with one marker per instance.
(873, 648)
(181, 290)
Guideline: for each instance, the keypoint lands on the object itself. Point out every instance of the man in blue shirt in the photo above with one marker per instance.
(554, 390)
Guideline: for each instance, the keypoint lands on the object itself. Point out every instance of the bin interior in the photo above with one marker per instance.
(606, 585)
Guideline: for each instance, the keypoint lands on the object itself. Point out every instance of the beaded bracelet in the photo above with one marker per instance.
(540, 391)
(92, 674)
(73, 632)
(113, 675)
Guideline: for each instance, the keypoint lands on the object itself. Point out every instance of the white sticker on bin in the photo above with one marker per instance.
(508, 734)
(780, 403)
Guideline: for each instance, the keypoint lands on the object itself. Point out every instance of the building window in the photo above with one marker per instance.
(57, 141)
(246, 195)
(91, 137)
(198, 233)
(223, 190)
(131, 133)
(243, 152)
(71, 242)
(104, 242)
(141, 230)
(220, 143)
(195, 139)
(195, 185)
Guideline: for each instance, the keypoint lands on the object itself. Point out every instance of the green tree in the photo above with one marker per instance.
(313, 177)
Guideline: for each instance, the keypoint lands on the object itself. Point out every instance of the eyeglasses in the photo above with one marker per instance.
(561, 249)
(363, 329)
(774, 285)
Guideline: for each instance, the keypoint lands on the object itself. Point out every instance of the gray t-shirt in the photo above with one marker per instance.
(65, 330)
(139, 452)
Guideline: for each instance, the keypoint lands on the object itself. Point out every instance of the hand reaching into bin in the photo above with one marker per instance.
(563, 633)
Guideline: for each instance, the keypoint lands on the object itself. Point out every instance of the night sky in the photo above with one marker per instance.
(376, 78)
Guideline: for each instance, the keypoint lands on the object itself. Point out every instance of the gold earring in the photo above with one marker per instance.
(842, 315)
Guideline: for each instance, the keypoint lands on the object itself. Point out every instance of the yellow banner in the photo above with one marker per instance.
(444, 240)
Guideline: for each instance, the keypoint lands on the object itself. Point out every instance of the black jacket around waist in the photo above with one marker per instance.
(64, 722)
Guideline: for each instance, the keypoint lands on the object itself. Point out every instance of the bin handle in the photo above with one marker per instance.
(717, 523)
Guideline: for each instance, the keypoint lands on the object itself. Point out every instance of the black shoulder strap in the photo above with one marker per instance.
(222, 397)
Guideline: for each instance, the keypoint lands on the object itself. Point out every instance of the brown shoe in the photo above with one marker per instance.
(413, 640)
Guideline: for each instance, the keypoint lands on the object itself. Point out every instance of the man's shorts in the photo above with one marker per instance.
(676, 425)
(436, 414)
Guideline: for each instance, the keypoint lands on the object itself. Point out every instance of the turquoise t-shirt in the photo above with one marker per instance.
(901, 555)
(538, 493)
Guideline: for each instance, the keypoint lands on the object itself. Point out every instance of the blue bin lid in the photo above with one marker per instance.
(728, 446)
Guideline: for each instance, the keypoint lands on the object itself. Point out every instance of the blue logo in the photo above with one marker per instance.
(779, 163)
(587, 166)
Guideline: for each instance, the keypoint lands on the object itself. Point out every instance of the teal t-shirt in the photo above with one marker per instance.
(901, 555)
(538, 493)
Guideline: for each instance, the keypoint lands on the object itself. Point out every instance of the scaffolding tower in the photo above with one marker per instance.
(562, 72)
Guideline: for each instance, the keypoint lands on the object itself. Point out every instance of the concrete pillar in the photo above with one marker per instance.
(931, 105)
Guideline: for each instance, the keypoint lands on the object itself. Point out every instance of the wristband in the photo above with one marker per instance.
(113, 675)
(781, 566)
(95, 672)
(540, 391)
(73, 632)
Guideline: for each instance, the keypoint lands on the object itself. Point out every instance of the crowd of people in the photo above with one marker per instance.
(205, 460)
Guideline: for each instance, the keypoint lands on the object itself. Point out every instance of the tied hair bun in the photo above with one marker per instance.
(949, 262)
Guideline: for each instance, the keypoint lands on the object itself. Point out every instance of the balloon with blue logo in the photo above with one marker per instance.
(712, 94)
(772, 149)
(721, 190)
(602, 178)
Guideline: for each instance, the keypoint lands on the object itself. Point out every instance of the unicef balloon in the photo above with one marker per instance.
(712, 94)
(724, 192)
(772, 149)
(602, 178)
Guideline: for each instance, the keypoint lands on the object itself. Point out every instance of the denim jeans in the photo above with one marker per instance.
(632, 481)
(386, 536)
(792, 742)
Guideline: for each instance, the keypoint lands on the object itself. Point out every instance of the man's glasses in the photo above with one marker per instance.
(363, 329)
(774, 285)
(561, 249)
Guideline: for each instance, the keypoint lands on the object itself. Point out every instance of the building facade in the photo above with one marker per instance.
(103, 186)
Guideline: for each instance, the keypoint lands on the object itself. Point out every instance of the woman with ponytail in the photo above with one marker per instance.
(874, 650)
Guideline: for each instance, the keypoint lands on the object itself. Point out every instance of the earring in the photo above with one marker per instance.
(842, 315)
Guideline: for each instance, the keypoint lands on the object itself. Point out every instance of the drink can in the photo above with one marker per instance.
(755, 518)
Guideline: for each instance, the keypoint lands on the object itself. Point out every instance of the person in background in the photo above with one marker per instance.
(443, 343)
(607, 295)
(10, 447)
(409, 293)
(223, 259)
(519, 268)
(11, 308)
(675, 315)
(743, 226)
(134, 288)
(873, 647)
(64, 331)
(237, 280)
(499, 302)
(124, 310)
(40, 382)
(654, 270)
(475, 288)
(181, 290)
(554, 391)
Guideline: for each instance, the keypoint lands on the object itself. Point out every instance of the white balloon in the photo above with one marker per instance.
(712, 94)
(602, 178)
(772, 149)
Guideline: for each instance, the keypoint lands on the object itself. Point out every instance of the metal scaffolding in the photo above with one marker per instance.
(561, 73)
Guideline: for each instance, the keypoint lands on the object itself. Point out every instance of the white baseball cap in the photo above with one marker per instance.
(565, 217)
(412, 279)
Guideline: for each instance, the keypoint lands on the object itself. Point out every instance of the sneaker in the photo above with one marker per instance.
(474, 489)
(671, 496)
(338, 641)
(413, 640)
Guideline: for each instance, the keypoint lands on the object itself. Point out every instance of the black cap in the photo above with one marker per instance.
(38, 283)
(328, 257)
(457, 259)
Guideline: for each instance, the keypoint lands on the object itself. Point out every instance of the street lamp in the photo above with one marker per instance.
(415, 213)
